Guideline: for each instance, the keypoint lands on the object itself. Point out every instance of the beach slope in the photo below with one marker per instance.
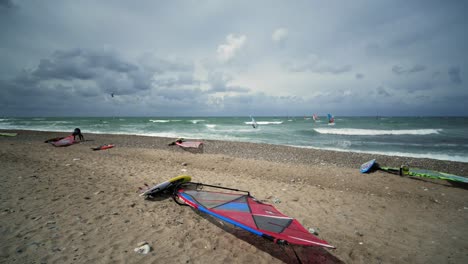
(75, 205)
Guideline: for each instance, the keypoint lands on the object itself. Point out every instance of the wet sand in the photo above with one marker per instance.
(75, 205)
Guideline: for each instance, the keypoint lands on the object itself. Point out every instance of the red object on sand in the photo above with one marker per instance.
(246, 212)
(108, 146)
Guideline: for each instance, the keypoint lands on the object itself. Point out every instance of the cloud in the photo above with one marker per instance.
(381, 91)
(227, 51)
(359, 76)
(78, 73)
(279, 35)
(6, 4)
(219, 82)
(399, 70)
(81, 64)
(417, 68)
(313, 64)
(454, 74)
(321, 68)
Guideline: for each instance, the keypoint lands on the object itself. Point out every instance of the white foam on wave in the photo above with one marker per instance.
(210, 125)
(399, 154)
(375, 132)
(196, 121)
(265, 123)
(159, 121)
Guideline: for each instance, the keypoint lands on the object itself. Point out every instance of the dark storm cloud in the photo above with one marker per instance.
(74, 75)
(164, 54)
(454, 74)
(397, 69)
(80, 64)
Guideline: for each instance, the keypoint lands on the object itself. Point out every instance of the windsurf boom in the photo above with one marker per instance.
(242, 210)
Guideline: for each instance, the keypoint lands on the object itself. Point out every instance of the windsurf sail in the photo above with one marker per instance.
(242, 210)
(186, 144)
(405, 170)
(53, 139)
(189, 144)
(331, 119)
(64, 142)
(254, 123)
(315, 117)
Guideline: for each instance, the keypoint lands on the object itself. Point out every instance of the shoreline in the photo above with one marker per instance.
(75, 205)
(263, 151)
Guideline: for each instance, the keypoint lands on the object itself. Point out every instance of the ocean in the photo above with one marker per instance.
(442, 138)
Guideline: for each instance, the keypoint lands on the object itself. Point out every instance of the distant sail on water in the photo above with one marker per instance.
(315, 117)
(331, 120)
(254, 124)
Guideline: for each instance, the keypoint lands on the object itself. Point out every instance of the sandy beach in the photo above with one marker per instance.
(75, 205)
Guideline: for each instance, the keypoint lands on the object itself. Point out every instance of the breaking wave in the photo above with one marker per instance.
(265, 123)
(375, 132)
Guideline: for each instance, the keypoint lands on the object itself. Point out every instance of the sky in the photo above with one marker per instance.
(233, 58)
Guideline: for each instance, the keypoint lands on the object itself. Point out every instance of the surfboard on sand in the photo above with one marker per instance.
(8, 134)
(165, 185)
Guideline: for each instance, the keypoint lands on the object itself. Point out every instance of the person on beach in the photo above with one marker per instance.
(77, 132)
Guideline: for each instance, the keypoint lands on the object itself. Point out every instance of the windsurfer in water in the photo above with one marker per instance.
(77, 132)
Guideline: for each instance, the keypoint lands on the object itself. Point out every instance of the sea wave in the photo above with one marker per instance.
(159, 121)
(375, 132)
(265, 123)
(436, 156)
(196, 121)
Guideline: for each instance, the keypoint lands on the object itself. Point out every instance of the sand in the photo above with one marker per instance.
(75, 205)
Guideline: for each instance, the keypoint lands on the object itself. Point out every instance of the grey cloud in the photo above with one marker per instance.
(219, 82)
(6, 4)
(381, 91)
(72, 75)
(178, 94)
(314, 67)
(333, 70)
(454, 74)
(80, 64)
(397, 69)
(359, 76)
(159, 65)
(417, 68)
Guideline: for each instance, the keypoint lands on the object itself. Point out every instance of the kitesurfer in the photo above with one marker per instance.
(77, 132)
